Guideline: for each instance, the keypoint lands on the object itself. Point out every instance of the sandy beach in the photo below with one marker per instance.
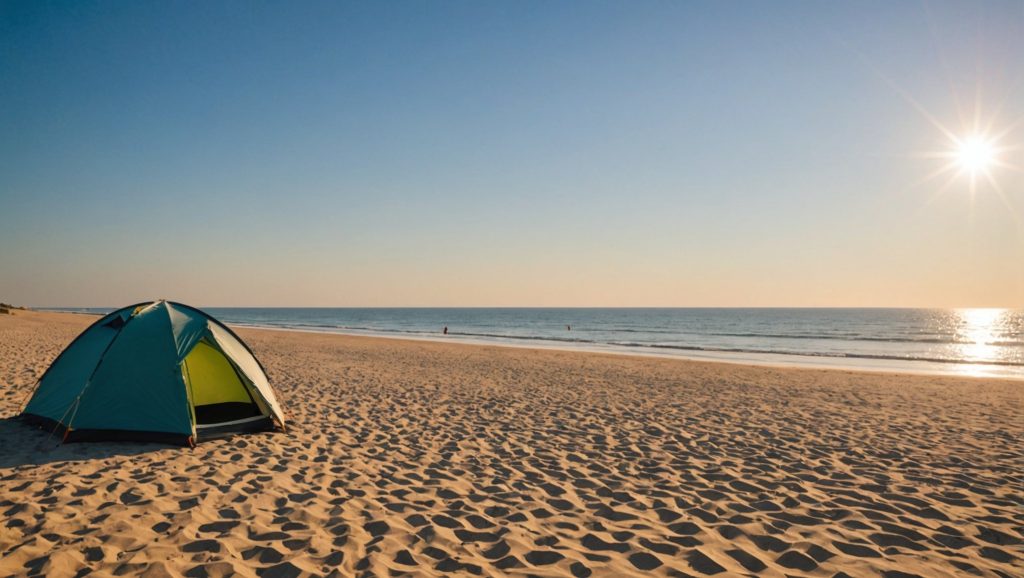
(421, 458)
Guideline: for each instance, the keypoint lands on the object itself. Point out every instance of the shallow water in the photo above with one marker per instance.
(957, 341)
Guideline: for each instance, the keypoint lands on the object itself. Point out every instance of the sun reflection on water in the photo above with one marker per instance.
(979, 333)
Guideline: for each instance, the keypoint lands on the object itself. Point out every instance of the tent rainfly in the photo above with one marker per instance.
(155, 371)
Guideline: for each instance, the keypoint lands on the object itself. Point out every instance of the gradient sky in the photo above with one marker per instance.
(507, 154)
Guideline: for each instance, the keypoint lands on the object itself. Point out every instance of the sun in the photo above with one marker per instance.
(976, 154)
(976, 159)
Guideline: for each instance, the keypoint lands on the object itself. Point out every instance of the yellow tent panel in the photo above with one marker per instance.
(210, 377)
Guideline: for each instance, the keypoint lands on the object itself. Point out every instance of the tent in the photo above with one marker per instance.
(155, 371)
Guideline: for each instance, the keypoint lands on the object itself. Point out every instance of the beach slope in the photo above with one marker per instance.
(426, 458)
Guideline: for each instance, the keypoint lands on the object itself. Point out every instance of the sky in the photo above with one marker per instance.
(510, 153)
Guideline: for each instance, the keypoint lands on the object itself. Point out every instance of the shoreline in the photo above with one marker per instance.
(872, 365)
(770, 360)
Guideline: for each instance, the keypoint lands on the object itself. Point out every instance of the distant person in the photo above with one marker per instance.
(445, 332)
(568, 327)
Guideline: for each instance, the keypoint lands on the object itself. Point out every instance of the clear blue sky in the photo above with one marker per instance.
(517, 153)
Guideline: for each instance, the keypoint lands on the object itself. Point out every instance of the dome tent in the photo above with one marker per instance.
(155, 371)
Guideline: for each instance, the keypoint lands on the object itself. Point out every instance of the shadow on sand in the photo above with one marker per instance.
(25, 444)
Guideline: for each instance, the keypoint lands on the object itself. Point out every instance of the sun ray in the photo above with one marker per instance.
(977, 108)
(941, 190)
(906, 96)
(944, 62)
(1003, 197)
(1009, 128)
(1008, 166)
(943, 170)
(973, 156)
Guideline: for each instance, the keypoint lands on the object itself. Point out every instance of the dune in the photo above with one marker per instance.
(429, 459)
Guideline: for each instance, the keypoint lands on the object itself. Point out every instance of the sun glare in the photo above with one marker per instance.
(979, 328)
(975, 157)
(976, 154)
(973, 160)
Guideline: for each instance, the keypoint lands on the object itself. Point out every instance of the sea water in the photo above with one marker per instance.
(988, 342)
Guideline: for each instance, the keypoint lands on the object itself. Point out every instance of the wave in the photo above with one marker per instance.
(637, 345)
(950, 340)
(857, 337)
(800, 336)
(526, 337)
(838, 355)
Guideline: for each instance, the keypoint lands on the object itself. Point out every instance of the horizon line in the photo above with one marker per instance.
(51, 307)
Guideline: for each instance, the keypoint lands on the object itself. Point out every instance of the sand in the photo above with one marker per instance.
(428, 459)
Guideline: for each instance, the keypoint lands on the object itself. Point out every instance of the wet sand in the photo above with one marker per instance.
(423, 458)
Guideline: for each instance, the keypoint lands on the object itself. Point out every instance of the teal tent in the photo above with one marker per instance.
(155, 371)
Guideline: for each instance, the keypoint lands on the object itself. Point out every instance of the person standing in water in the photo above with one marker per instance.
(445, 332)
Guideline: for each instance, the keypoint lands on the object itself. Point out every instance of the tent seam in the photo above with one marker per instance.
(78, 399)
(94, 324)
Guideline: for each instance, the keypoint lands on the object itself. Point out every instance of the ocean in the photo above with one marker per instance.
(981, 342)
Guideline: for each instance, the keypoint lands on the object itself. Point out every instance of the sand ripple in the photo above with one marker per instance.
(413, 458)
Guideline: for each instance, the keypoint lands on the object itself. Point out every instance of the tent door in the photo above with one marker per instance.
(219, 394)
